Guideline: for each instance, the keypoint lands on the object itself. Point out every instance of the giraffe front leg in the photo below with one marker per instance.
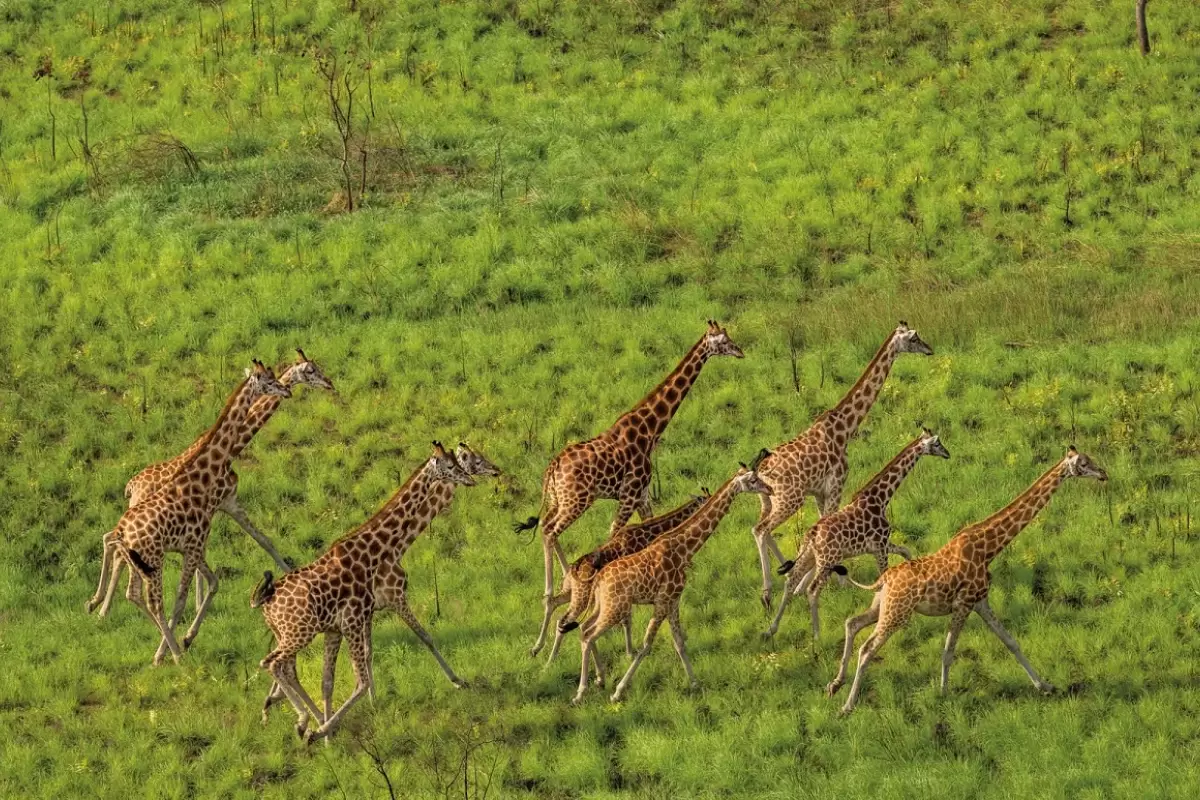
(401, 605)
(283, 669)
(210, 578)
(681, 647)
(820, 577)
(791, 587)
(181, 595)
(231, 507)
(957, 619)
(151, 601)
(775, 510)
(651, 632)
(985, 611)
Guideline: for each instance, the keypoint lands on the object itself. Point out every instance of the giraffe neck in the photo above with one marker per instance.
(995, 532)
(704, 522)
(260, 413)
(437, 500)
(651, 415)
(853, 408)
(406, 516)
(880, 489)
(216, 445)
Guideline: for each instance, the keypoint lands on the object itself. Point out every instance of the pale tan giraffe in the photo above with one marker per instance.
(814, 463)
(954, 581)
(336, 595)
(303, 372)
(178, 517)
(576, 588)
(861, 527)
(616, 464)
(656, 576)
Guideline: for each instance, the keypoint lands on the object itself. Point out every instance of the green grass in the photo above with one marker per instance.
(558, 195)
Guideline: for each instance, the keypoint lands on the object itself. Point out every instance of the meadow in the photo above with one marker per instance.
(516, 228)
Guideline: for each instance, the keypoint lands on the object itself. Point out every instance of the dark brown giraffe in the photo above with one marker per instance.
(302, 373)
(616, 464)
(656, 576)
(954, 581)
(576, 588)
(337, 595)
(861, 527)
(178, 517)
(814, 463)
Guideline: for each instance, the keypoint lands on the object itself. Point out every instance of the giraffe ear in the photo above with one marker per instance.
(1072, 451)
(301, 358)
(903, 325)
(438, 450)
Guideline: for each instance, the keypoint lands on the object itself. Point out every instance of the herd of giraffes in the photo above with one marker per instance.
(172, 504)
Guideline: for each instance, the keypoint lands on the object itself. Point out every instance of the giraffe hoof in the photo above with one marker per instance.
(309, 736)
(459, 683)
(1047, 688)
(616, 698)
(186, 643)
(90, 606)
(766, 603)
(832, 689)
(845, 712)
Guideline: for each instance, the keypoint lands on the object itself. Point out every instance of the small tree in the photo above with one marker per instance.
(1143, 35)
(340, 86)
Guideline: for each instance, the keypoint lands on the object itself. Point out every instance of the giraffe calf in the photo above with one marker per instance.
(860, 528)
(656, 576)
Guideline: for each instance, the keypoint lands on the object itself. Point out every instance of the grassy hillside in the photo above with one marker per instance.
(555, 196)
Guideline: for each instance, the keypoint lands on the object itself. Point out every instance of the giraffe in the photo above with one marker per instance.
(391, 581)
(303, 372)
(814, 463)
(336, 595)
(616, 464)
(954, 581)
(861, 527)
(656, 576)
(576, 587)
(178, 517)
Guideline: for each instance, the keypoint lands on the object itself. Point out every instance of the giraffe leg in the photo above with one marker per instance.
(552, 527)
(797, 580)
(853, 626)
(985, 611)
(359, 641)
(106, 559)
(870, 647)
(644, 510)
(210, 578)
(401, 606)
(775, 511)
(627, 624)
(596, 625)
(230, 506)
(681, 647)
(333, 643)
(564, 623)
(116, 565)
(181, 594)
(150, 601)
(957, 620)
(814, 598)
(275, 694)
(283, 668)
(651, 632)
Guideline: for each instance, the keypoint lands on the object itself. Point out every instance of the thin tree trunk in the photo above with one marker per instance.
(1143, 35)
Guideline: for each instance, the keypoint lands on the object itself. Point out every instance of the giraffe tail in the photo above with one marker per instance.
(528, 525)
(840, 571)
(134, 558)
(264, 591)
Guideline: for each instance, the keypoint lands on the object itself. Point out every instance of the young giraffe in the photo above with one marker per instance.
(954, 581)
(616, 464)
(302, 373)
(814, 463)
(577, 583)
(656, 576)
(336, 595)
(859, 528)
(178, 517)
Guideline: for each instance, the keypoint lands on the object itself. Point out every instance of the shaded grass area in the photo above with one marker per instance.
(560, 195)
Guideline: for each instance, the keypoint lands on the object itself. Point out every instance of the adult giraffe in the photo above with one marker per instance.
(616, 464)
(814, 463)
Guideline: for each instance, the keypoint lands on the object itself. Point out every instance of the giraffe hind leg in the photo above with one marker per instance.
(106, 559)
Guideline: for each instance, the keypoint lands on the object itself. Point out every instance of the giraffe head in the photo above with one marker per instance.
(931, 445)
(1079, 465)
(444, 467)
(747, 478)
(718, 343)
(306, 371)
(906, 340)
(473, 463)
(260, 380)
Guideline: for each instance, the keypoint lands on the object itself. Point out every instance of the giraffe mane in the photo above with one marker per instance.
(206, 439)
